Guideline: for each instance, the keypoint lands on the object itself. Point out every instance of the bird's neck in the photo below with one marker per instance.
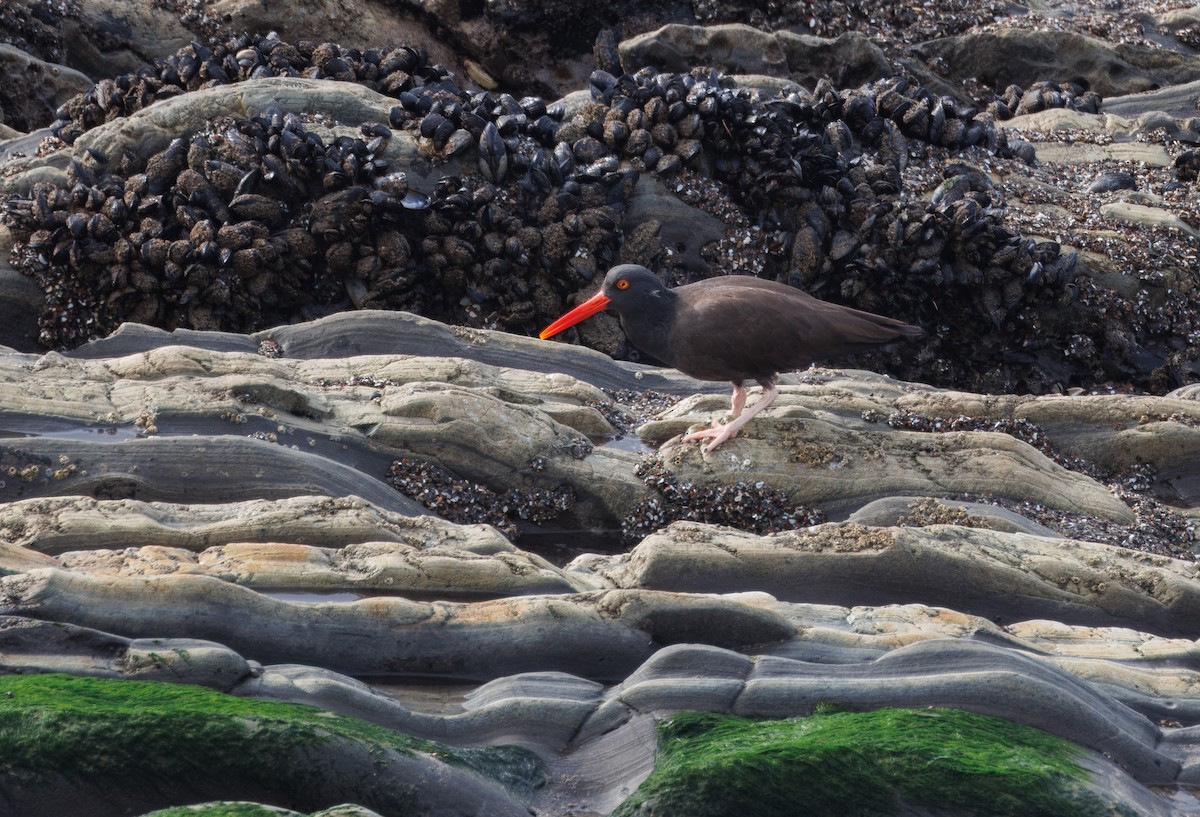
(648, 324)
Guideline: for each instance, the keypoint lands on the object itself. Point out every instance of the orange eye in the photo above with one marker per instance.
(622, 284)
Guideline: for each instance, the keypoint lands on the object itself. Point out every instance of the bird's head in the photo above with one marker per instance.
(625, 287)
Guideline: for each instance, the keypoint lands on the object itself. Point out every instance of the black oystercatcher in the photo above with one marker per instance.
(733, 327)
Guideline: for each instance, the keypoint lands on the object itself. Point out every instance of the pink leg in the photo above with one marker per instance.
(720, 433)
(738, 402)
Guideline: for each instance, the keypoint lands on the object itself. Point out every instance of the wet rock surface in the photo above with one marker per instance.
(273, 421)
(211, 509)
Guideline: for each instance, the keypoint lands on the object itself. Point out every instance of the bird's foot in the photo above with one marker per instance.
(718, 432)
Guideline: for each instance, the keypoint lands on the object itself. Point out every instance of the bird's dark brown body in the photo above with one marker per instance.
(738, 328)
(734, 328)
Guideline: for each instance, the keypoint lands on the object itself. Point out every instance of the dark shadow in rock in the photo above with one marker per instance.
(182, 469)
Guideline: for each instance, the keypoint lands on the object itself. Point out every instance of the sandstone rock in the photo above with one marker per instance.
(1053, 700)
(1176, 100)
(114, 37)
(1141, 215)
(366, 768)
(61, 524)
(424, 569)
(14, 559)
(839, 462)
(995, 614)
(32, 646)
(1017, 56)
(521, 446)
(19, 300)
(350, 23)
(850, 60)
(911, 511)
(181, 469)
(1112, 431)
(373, 636)
(33, 89)
(1005, 577)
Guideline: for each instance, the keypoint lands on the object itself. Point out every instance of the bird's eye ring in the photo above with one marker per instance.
(622, 284)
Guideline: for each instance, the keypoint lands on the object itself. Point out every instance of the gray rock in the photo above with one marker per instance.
(838, 462)
(112, 37)
(55, 525)
(850, 60)
(151, 129)
(20, 300)
(379, 635)
(1021, 57)
(974, 677)
(34, 88)
(182, 469)
(909, 510)
(983, 572)
(1177, 99)
(31, 646)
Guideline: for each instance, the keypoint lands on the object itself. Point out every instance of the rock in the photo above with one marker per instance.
(492, 568)
(1017, 56)
(358, 24)
(33, 89)
(1178, 100)
(151, 129)
(911, 511)
(370, 766)
(179, 469)
(539, 711)
(1141, 215)
(974, 570)
(57, 525)
(849, 60)
(771, 686)
(112, 37)
(32, 646)
(233, 508)
(841, 462)
(378, 635)
(19, 300)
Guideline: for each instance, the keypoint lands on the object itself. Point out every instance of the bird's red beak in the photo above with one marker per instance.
(585, 310)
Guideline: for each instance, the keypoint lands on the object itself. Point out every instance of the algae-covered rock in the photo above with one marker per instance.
(884, 762)
(127, 746)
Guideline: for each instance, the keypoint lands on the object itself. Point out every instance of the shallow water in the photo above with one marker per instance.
(66, 431)
(628, 442)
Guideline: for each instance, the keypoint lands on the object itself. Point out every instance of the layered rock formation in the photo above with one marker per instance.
(206, 514)
(233, 455)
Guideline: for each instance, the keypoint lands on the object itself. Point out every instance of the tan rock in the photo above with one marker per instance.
(59, 524)
(986, 573)
(814, 445)
(850, 59)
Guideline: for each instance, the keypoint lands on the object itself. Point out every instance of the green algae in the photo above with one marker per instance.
(220, 810)
(863, 764)
(125, 732)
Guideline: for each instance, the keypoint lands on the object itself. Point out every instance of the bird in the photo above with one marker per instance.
(732, 327)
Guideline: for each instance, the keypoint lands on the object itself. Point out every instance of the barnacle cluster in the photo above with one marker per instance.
(245, 57)
(272, 219)
(1157, 528)
(748, 506)
(1021, 429)
(460, 500)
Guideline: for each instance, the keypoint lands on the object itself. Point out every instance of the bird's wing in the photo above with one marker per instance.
(732, 330)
